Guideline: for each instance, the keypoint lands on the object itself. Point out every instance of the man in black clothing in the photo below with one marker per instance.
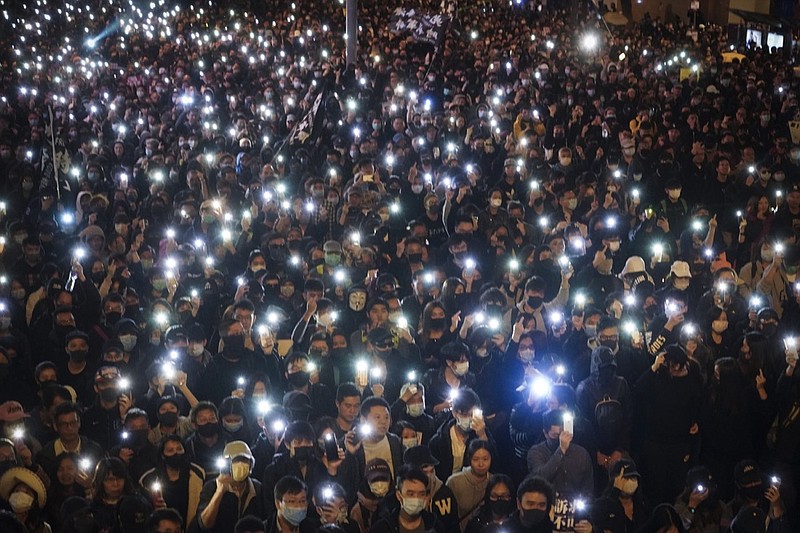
(234, 362)
(413, 494)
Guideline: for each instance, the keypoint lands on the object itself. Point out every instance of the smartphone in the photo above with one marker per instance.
(331, 447)
(569, 423)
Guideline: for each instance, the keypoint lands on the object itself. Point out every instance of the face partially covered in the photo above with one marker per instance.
(357, 300)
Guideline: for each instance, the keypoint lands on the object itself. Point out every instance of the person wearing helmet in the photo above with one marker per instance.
(233, 494)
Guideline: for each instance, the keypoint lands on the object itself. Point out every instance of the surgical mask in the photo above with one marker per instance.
(325, 319)
(526, 355)
(417, 188)
(240, 470)
(461, 368)
(379, 488)
(413, 506)
(572, 203)
(629, 151)
(591, 330)
(496, 202)
(232, 427)
(294, 515)
(409, 443)
(128, 342)
(415, 410)
(464, 423)
(21, 502)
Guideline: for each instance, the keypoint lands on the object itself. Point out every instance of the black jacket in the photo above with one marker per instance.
(441, 448)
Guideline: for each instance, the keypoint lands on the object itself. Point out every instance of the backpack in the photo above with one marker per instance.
(609, 417)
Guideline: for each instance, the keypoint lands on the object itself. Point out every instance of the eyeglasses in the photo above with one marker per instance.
(608, 338)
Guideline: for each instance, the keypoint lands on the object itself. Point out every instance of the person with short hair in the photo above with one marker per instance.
(413, 495)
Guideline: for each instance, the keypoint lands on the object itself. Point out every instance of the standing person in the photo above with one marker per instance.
(233, 494)
(412, 493)
(535, 499)
(621, 506)
(291, 508)
(669, 399)
(26, 494)
(469, 485)
(176, 482)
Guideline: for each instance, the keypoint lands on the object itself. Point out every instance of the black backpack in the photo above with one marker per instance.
(609, 416)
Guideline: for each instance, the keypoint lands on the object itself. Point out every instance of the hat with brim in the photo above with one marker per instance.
(16, 475)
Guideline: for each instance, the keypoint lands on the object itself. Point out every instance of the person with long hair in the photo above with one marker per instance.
(176, 482)
(435, 332)
(110, 485)
(498, 504)
(70, 480)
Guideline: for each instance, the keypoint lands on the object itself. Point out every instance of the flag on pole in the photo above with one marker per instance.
(423, 28)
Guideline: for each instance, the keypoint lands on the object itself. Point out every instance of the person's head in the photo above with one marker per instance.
(249, 524)
(348, 402)
(479, 456)
(330, 502)
(67, 420)
(464, 404)
(232, 414)
(412, 490)
(375, 413)
(111, 480)
(291, 499)
(167, 521)
(455, 356)
(205, 419)
(535, 497)
(500, 495)
(299, 438)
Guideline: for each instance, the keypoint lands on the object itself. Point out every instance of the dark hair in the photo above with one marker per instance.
(607, 322)
(299, 430)
(537, 484)
(564, 393)
(202, 406)
(409, 473)
(338, 490)
(51, 391)
(371, 402)
(552, 417)
(106, 466)
(163, 514)
(225, 324)
(65, 409)
(244, 304)
(497, 479)
(289, 485)
(249, 523)
(478, 444)
(347, 390)
(466, 400)
(453, 351)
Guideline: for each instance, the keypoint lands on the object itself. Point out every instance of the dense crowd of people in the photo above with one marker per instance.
(540, 276)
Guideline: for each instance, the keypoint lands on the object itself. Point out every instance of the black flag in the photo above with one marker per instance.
(424, 28)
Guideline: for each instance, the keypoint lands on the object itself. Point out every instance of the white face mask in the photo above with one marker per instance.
(496, 202)
(20, 502)
(572, 203)
(526, 355)
(409, 443)
(461, 368)
(415, 409)
(196, 349)
(325, 320)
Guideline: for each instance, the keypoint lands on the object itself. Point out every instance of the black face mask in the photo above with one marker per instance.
(502, 507)
(607, 372)
(415, 258)
(138, 437)
(61, 331)
(175, 461)
(78, 356)
(112, 318)
(437, 323)
(168, 419)
(303, 453)
(299, 379)
(98, 277)
(5, 369)
(531, 517)
(753, 493)
(109, 395)
(234, 345)
(610, 344)
(769, 330)
(208, 430)
(535, 302)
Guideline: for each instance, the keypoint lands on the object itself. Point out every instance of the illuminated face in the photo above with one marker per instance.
(357, 300)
